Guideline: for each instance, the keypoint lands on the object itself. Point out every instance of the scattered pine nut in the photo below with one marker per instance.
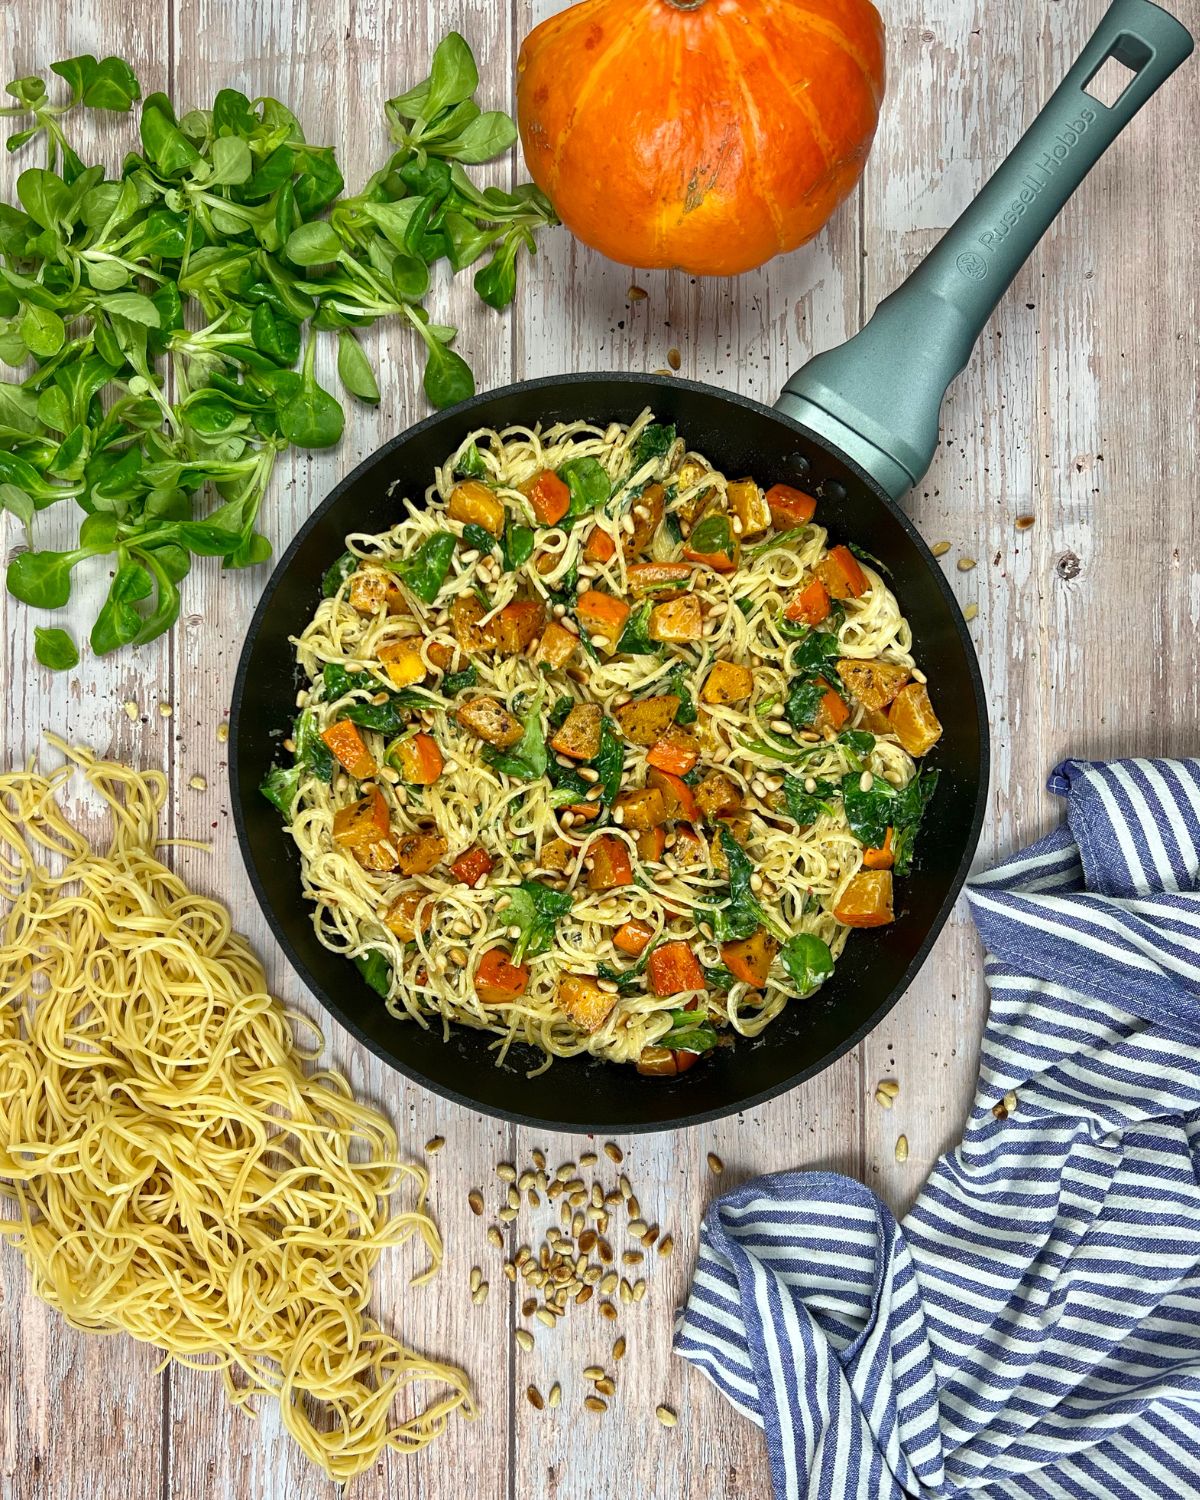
(1010, 1102)
(607, 1310)
(666, 1416)
(965, 564)
(198, 784)
(715, 1164)
(494, 1237)
(555, 1396)
(475, 1199)
(885, 1101)
(434, 1145)
(902, 1148)
(593, 1372)
(666, 1245)
(890, 1087)
(970, 612)
(674, 358)
(165, 710)
(535, 1397)
(939, 549)
(606, 1386)
(480, 1295)
(588, 1159)
(524, 1339)
(476, 1277)
(595, 1403)
(636, 294)
(1023, 523)
(614, 1152)
(544, 1315)
(222, 732)
(131, 710)
(639, 1289)
(618, 1350)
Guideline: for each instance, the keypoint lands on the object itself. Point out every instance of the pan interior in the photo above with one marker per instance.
(740, 438)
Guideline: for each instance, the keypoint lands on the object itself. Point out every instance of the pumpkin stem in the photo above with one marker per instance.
(686, 4)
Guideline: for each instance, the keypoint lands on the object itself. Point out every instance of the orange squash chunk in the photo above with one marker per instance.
(674, 968)
(599, 547)
(913, 720)
(883, 858)
(420, 760)
(611, 865)
(867, 900)
(472, 502)
(809, 605)
(647, 518)
(499, 981)
(832, 712)
(873, 683)
(375, 591)
(647, 720)
(662, 1062)
(632, 936)
(417, 853)
(602, 615)
(579, 736)
(363, 822)
(727, 682)
(660, 579)
(677, 620)
(557, 646)
(402, 661)
(548, 496)
(676, 751)
(584, 1001)
(680, 800)
(652, 845)
(840, 573)
(410, 913)
(751, 959)
(789, 507)
(345, 742)
(472, 866)
(517, 626)
(749, 505)
(640, 810)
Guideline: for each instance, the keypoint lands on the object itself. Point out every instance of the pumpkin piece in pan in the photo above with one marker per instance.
(402, 661)
(665, 580)
(411, 912)
(474, 504)
(465, 615)
(499, 981)
(789, 507)
(584, 1001)
(602, 615)
(677, 620)
(579, 735)
(866, 900)
(674, 969)
(556, 647)
(517, 626)
(632, 936)
(647, 514)
(727, 682)
(648, 719)
(675, 751)
(599, 547)
(663, 1062)
(611, 866)
(809, 605)
(680, 800)
(913, 720)
(839, 571)
(717, 796)
(748, 504)
(884, 857)
(420, 760)
(472, 866)
(651, 845)
(873, 683)
(363, 822)
(751, 958)
(418, 853)
(375, 591)
(548, 496)
(346, 744)
(639, 811)
(489, 720)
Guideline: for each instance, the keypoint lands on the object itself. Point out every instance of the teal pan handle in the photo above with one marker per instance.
(877, 397)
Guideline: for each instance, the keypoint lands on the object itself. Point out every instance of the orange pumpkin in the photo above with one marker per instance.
(709, 135)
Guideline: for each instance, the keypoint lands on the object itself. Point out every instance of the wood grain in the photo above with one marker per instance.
(1079, 408)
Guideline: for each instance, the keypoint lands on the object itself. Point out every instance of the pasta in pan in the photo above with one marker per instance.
(602, 751)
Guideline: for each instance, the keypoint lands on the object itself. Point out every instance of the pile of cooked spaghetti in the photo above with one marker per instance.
(601, 750)
(176, 1173)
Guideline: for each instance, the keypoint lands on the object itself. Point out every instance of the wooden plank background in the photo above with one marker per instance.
(1079, 408)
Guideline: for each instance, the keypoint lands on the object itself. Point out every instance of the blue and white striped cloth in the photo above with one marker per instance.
(1033, 1327)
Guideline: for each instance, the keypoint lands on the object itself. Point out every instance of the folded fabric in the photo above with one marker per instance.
(1033, 1327)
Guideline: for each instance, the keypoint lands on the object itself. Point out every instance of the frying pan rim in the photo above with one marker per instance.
(457, 1096)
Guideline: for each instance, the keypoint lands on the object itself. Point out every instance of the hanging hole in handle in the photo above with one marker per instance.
(1126, 59)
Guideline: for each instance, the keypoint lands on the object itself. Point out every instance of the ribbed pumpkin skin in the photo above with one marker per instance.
(709, 137)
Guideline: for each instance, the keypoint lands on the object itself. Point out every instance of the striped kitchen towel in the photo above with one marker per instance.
(1032, 1329)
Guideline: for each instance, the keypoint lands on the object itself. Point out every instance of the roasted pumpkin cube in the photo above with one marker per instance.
(420, 760)
(681, 803)
(548, 496)
(717, 796)
(640, 810)
(557, 646)
(839, 571)
(673, 969)
(363, 822)
(517, 626)
(557, 854)
(677, 620)
(692, 507)
(751, 959)
(690, 849)
(599, 547)
(665, 580)
(379, 857)
(402, 661)
(579, 736)
(346, 743)
(441, 655)
(866, 900)
(648, 719)
(809, 605)
(632, 936)
(675, 751)
(832, 712)
(873, 683)
(581, 812)
(472, 866)
(465, 615)
(602, 615)
(746, 501)
(584, 1001)
(375, 591)
(737, 825)
(418, 853)
(489, 720)
(610, 864)
(411, 912)
(499, 981)
(663, 1062)
(727, 682)
(474, 504)
(913, 720)
(715, 545)
(651, 845)
(647, 518)
(789, 507)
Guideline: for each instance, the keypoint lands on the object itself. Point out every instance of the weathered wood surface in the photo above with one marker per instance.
(1079, 408)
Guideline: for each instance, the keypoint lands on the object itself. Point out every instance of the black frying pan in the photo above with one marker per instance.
(857, 427)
